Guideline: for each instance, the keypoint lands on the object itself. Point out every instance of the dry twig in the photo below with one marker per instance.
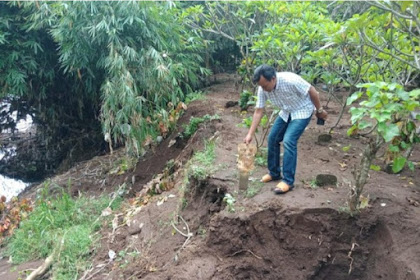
(353, 245)
(249, 251)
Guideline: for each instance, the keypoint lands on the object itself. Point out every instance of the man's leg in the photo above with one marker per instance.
(275, 137)
(291, 136)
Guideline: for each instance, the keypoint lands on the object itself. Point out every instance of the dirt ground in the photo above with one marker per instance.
(304, 234)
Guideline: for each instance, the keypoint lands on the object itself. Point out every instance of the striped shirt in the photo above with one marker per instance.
(291, 94)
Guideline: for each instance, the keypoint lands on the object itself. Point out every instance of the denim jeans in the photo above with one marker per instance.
(288, 133)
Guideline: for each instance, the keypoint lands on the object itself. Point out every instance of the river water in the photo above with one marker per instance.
(10, 187)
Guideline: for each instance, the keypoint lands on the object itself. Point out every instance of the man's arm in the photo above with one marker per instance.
(258, 114)
(320, 112)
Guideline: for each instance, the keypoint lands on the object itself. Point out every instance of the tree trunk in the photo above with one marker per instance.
(361, 173)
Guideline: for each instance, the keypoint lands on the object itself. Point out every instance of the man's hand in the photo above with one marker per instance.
(323, 115)
(248, 139)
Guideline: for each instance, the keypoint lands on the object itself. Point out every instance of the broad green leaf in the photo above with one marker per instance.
(364, 124)
(398, 164)
(357, 114)
(354, 97)
(388, 131)
(393, 148)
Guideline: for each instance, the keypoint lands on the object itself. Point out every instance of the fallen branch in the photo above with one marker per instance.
(41, 269)
(188, 235)
(47, 263)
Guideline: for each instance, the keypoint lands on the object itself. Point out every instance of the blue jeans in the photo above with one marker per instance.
(288, 132)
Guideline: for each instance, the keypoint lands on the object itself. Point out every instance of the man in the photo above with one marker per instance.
(297, 99)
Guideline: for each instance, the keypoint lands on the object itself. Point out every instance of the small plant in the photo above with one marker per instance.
(202, 232)
(230, 202)
(265, 125)
(385, 114)
(124, 164)
(261, 157)
(124, 257)
(313, 183)
(184, 203)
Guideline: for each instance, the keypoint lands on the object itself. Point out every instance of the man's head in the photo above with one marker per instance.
(265, 76)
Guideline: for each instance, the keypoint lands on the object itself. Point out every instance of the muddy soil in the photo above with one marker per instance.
(188, 232)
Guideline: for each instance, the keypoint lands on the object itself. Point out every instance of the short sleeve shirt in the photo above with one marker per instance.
(291, 94)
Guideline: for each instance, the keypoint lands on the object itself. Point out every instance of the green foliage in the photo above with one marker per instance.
(192, 96)
(62, 224)
(194, 123)
(237, 22)
(261, 157)
(119, 61)
(265, 125)
(245, 99)
(295, 30)
(387, 109)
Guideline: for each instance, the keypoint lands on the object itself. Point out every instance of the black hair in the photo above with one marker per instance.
(268, 72)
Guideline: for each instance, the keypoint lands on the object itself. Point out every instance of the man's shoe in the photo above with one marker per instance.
(282, 188)
(266, 178)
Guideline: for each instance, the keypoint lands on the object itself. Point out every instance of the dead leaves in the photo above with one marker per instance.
(343, 166)
(11, 214)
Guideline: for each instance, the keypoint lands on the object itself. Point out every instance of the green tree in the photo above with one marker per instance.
(384, 112)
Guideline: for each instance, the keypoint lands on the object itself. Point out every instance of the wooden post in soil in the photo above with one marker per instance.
(246, 156)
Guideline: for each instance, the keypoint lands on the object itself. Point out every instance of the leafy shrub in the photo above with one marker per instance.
(244, 100)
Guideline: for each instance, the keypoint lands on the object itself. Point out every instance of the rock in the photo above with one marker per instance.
(326, 180)
(135, 227)
(324, 138)
(231, 104)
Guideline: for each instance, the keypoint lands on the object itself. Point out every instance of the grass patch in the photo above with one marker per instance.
(199, 167)
(63, 225)
(253, 188)
(192, 96)
(201, 164)
(192, 126)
